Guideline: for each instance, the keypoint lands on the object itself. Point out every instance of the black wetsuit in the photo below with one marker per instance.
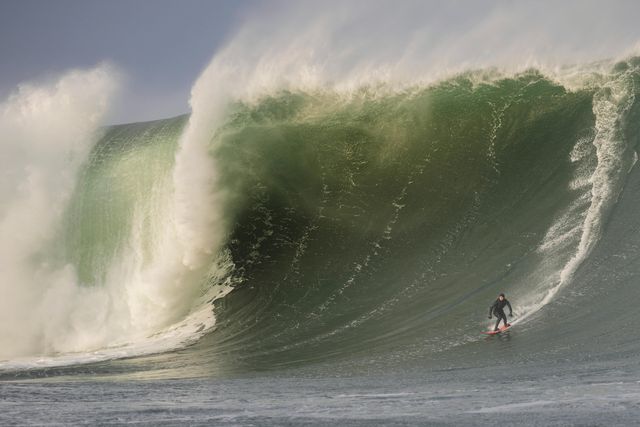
(497, 308)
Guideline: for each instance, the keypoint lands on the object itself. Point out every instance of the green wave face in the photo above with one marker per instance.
(127, 179)
(373, 221)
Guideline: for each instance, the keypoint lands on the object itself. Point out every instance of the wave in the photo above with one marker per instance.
(383, 218)
(285, 223)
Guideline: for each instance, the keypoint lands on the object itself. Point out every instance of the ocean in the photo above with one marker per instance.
(327, 256)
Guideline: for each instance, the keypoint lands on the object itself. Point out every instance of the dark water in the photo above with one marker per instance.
(368, 235)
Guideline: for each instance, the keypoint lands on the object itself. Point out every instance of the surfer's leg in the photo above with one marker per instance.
(501, 317)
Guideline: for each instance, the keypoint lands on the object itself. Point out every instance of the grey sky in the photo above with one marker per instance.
(163, 45)
(160, 45)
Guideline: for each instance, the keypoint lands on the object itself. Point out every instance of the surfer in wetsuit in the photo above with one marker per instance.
(497, 308)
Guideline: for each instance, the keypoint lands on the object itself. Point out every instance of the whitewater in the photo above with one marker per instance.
(319, 239)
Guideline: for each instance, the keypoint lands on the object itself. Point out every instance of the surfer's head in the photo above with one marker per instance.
(501, 297)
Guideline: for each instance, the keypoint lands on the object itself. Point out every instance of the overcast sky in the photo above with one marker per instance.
(161, 46)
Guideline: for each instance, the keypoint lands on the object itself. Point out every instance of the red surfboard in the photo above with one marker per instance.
(501, 329)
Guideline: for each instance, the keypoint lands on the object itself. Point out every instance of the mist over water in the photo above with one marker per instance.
(46, 136)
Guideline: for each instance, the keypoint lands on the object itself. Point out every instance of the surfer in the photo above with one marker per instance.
(497, 308)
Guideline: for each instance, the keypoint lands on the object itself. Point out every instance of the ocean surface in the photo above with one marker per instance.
(328, 257)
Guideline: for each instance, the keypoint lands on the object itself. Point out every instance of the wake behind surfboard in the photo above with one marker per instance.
(501, 329)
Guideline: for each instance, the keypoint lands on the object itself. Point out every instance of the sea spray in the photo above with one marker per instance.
(599, 177)
(46, 134)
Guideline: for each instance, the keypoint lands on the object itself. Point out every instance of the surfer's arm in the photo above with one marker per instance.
(491, 309)
(510, 309)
